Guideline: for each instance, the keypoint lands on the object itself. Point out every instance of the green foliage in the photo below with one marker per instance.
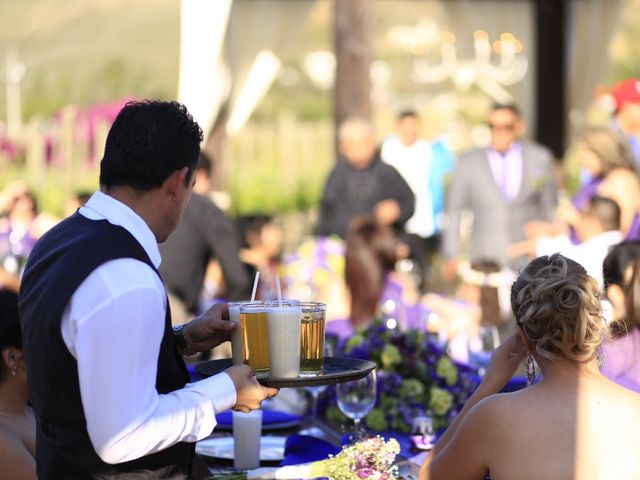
(53, 188)
(376, 420)
(334, 415)
(278, 166)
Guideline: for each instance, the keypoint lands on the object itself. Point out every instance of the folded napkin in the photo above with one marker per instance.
(269, 417)
(304, 448)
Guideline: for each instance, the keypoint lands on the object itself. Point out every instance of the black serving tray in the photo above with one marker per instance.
(336, 370)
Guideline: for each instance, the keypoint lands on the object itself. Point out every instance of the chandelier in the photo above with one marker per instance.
(492, 67)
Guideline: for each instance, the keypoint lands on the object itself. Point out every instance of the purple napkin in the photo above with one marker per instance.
(269, 417)
(304, 448)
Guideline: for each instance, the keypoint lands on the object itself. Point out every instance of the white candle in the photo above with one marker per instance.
(247, 429)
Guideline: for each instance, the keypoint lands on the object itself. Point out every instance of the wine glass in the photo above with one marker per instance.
(315, 391)
(481, 344)
(356, 399)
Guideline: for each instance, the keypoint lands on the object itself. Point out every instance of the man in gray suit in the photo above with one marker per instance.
(505, 185)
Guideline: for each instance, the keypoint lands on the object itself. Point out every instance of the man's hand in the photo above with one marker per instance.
(210, 329)
(450, 270)
(249, 393)
(387, 212)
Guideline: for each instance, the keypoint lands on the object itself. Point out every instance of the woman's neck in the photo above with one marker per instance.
(13, 398)
(568, 372)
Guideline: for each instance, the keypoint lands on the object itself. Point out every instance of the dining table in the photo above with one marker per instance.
(307, 440)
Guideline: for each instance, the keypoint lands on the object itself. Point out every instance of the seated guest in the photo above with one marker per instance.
(617, 268)
(17, 423)
(609, 163)
(622, 351)
(261, 246)
(375, 287)
(20, 227)
(598, 230)
(574, 422)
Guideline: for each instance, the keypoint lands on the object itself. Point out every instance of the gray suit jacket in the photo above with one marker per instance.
(498, 223)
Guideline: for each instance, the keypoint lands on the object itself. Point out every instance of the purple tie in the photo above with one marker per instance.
(504, 184)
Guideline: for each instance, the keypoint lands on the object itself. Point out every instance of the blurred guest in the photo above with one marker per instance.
(598, 229)
(261, 249)
(616, 271)
(203, 234)
(607, 160)
(626, 117)
(375, 287)
(506, 185)
(20, 228)
(78, 200)
(17, 423)
(361, 183)
(424, 166)
(622, 351)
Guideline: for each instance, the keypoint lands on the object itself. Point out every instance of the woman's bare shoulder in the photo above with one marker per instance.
(15, 459)
(621, 176)
(499, 410)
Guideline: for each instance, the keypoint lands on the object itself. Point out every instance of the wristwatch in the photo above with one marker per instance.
(181, 341)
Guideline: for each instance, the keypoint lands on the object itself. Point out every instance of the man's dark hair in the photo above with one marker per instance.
(606, 211)
(507, 106)
(251, 225)
(408, 113)
(147, 142)
(619, 258)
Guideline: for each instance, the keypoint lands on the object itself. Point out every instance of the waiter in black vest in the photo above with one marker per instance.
(107, 381)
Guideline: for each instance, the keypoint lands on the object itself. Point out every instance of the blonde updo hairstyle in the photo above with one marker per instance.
(557, 305)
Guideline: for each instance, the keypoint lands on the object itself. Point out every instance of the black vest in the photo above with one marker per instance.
(61, 260)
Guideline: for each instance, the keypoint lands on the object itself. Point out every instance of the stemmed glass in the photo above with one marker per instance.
(481, 345)
(356, 399)
(315, 391)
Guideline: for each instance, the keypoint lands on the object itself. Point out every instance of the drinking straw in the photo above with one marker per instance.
(279, 291)
(255, 285)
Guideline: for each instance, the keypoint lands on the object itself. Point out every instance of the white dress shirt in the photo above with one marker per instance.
(414, 165)
(113, 326)
(590, 253)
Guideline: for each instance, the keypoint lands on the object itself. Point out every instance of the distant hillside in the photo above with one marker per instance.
(91, 51)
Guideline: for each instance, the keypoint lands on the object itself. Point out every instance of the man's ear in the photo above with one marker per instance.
(176, 181)
(520, 127)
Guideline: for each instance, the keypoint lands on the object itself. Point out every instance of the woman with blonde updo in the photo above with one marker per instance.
(574, 422)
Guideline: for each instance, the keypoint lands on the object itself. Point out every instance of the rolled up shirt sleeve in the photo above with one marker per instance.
(114, 330)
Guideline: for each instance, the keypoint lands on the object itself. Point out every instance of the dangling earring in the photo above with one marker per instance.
(531, 371)
(13, 372)
(600, 358)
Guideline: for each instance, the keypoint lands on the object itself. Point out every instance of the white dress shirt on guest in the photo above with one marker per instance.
(113, 326)
(590, 253)
(414, 164)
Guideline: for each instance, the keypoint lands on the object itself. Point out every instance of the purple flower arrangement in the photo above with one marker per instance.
(416, 377)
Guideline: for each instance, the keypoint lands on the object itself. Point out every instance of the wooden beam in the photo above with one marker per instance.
(551, 67)
(352, 20)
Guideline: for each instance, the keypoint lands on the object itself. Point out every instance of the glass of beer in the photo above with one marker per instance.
(255, 341)
(312, 324)
(237, 337)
